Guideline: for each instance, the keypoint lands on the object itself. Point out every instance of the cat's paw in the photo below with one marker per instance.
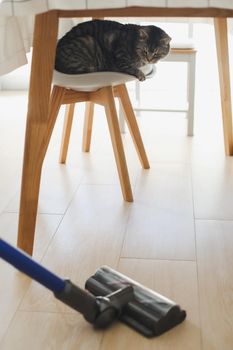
(141, 76)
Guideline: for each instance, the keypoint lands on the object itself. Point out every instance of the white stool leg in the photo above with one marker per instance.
(191, 93)
(138, 97)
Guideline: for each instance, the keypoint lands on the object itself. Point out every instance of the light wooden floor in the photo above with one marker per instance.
(177, 236)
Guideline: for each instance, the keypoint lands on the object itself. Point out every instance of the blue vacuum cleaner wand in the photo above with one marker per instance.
(108, 296)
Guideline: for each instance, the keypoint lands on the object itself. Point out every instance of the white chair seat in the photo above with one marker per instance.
(96, 80)
(187, 44)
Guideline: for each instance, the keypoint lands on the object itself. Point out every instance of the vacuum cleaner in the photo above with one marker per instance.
(108, 296)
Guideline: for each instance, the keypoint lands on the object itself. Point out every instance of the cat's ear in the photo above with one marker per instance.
(143, 35)
(165, 40)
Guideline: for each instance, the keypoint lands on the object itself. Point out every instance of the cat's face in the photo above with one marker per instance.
(153, 45)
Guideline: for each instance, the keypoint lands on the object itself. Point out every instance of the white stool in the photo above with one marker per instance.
(99, 88)
(180, 52)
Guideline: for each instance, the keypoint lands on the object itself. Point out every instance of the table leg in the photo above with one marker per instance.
(37, 128)
(220, 25)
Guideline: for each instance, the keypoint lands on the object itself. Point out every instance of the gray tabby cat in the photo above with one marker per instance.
(101, 45)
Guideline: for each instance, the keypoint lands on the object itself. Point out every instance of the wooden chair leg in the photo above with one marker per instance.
(220, 25)
(66, 132)
(36, 143)
(121, 118)
(87, 128)
(122, 93)
(113, 124)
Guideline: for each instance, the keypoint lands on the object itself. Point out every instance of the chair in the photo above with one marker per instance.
(180, 52)
(99, 88)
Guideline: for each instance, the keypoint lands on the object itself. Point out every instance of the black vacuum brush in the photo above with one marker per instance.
(109, 295)
(147, 311)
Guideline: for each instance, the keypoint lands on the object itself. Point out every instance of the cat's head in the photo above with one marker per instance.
(153, 44)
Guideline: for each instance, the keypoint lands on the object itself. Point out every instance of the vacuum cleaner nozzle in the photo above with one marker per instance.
(146, 311)
(109, 295)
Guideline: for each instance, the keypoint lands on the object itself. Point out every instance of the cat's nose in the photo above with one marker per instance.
(153, 60)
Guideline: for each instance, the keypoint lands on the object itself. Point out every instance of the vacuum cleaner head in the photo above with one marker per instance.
(146, 311)
(109, 295)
